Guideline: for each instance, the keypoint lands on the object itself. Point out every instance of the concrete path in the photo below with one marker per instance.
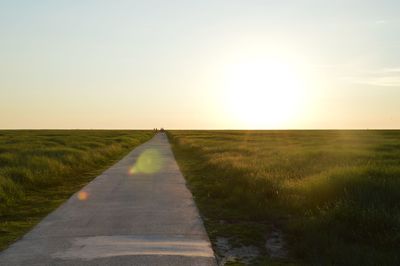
(138, 212)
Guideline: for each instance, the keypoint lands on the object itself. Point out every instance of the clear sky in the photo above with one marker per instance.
(200, 64)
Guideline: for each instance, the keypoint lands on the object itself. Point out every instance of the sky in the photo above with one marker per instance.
(226, 64)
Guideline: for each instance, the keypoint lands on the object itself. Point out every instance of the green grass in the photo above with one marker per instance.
(334, 194)
(40, 169)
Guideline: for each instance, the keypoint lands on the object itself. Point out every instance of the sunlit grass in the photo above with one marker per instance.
(334, 194)
(40, 169)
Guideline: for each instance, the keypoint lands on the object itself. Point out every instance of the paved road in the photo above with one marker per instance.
(138, 212)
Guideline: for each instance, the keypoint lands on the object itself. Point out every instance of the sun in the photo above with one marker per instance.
(263, 93)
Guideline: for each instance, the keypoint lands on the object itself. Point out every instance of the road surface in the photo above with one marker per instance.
(138, 212)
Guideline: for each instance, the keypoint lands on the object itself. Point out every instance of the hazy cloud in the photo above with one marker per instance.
(381, 21)
(385, 77)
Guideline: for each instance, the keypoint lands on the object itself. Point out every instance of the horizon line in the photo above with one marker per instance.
(202, 129)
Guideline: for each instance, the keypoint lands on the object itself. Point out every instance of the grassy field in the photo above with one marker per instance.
(40, 169)
(334, 195)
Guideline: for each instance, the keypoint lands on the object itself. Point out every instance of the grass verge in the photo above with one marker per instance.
(333, 194)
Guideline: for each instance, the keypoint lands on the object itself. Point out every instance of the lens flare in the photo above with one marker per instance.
(149, 162)
(83, 195)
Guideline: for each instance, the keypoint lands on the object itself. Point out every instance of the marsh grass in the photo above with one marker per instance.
(335, 194)
(40, 169)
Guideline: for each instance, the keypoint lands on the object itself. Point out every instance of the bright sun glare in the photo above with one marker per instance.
(263, 93)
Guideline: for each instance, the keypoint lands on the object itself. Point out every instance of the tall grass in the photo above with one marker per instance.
(335, 194)
(39, 169)
(44, 158)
